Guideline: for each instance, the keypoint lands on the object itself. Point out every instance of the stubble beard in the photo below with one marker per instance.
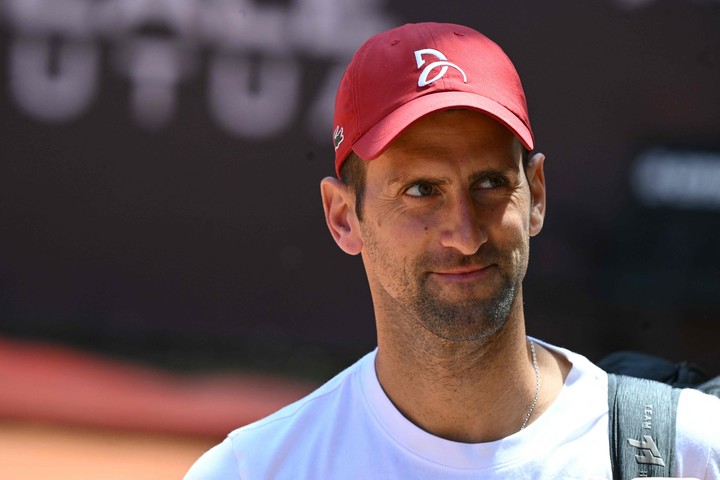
(456, 321)
(470, 320)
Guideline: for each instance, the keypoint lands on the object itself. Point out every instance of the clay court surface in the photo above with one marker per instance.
(66, 414)
(44, 452)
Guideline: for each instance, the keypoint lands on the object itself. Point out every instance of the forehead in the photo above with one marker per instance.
(463, 139)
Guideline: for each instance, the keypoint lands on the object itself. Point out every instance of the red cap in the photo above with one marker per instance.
(403, 74)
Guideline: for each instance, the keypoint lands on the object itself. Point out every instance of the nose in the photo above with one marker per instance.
(461, 227)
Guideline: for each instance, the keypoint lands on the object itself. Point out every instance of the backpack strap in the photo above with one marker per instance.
(642, 427)
(711, 387)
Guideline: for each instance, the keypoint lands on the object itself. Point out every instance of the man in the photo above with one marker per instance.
(437, 192)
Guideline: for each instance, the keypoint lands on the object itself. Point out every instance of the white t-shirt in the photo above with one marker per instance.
(349, 429)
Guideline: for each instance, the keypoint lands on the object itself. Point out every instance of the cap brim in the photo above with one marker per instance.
(377, 139)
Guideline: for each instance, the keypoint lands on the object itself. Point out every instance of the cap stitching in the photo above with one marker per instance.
(355, 114)
(435, 45)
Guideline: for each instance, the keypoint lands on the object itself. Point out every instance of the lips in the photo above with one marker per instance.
(463, 270)
(464, 273)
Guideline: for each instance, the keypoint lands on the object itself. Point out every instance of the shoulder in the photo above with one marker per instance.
(698, 412)
(286, 436)
(697, 439)
(582, 372)
(320, 402)
(217, 463)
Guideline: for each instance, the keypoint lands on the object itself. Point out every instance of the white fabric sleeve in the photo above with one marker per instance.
(218, 463)
(697, 445)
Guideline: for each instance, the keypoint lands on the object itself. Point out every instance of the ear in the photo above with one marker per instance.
(536, 180)
(339, 204)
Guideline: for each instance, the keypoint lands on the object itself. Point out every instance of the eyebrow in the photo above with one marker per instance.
(412, 178)
(443, 180)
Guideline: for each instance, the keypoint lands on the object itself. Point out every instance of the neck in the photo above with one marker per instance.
(471, 391)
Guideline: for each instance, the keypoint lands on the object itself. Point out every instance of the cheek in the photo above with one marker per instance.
(408, 228)
(514, 223)
(514, 230)
(396, 245)
(516, 215)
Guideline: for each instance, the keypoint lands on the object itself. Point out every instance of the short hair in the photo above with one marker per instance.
(352, 174)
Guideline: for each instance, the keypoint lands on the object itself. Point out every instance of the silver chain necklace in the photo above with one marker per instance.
(537, 384)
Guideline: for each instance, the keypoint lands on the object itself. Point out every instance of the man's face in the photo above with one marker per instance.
(446, 225)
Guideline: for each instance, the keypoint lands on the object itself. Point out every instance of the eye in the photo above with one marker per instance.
(490, 182)
(421, 189)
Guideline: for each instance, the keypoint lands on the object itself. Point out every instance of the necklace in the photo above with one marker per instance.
(537, 384)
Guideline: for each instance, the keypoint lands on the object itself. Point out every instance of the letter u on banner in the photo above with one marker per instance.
(253, 113)
(53, 95)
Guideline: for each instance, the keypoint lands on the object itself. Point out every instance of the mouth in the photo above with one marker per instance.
(464, 273)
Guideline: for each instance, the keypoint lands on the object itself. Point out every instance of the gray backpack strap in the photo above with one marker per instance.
(642, 427)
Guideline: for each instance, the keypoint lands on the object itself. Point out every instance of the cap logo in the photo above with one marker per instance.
(338, 136)
(423, 80)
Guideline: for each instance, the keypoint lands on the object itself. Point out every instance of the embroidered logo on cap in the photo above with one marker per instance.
(338, 136)
(423, 80)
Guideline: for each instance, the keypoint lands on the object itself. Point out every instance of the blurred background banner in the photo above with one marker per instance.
(161, 160)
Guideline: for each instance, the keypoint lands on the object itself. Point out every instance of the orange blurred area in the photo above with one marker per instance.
(65, 413)
(30, 451)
